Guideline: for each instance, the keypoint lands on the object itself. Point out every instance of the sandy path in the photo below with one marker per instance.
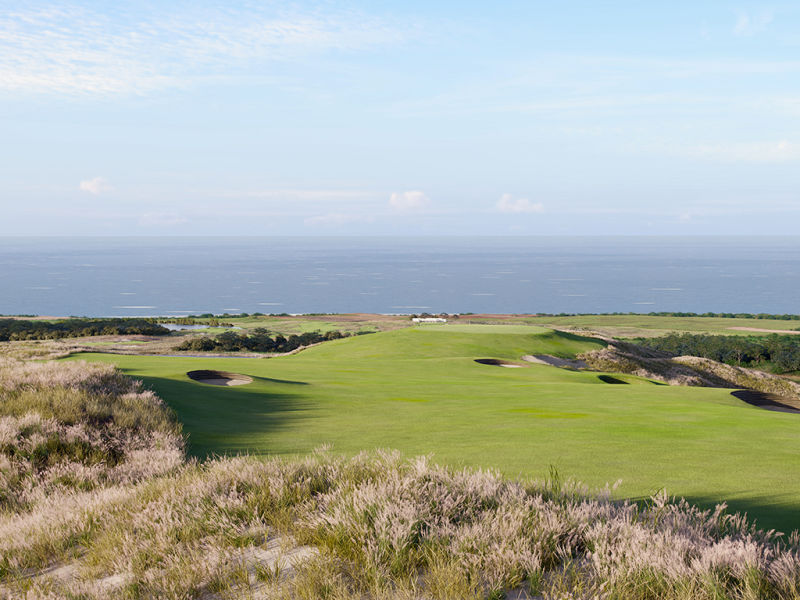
(787, 331)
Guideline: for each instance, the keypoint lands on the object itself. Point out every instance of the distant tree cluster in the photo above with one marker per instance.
(210, 321)
(781, 352)
(718, 315)
(18, 329)
(426, 315)
(258, 340)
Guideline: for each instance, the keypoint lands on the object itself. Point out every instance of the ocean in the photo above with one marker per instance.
(174, 276)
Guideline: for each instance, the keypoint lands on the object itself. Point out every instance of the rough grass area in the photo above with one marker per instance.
(67, 427)
(377, 526)
(133, 520)
(622, 357)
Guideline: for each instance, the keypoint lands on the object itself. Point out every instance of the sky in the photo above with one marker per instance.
(399, 118)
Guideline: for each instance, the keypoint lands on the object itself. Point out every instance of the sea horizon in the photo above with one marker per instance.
(181, 275)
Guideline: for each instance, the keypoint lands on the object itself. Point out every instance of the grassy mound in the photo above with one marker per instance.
(451, 341)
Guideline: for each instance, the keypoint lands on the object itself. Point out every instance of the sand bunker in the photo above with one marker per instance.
(768, 401)
(554, 361)
(496, 362)
(219, 377)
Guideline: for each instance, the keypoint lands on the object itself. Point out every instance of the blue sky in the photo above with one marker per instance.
(399, 118)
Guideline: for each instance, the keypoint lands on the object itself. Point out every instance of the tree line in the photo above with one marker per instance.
(20, 329)
(259, 340)
(781, 352)
(210, 321)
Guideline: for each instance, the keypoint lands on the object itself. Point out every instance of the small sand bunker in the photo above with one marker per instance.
(554, 361)
(219, 377)
(768, 401)
(496, 362)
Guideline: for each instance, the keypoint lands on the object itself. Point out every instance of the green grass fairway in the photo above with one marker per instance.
(419, 390)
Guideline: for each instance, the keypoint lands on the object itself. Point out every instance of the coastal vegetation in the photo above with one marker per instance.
(780, 353)
(209, 321)
(99, 503)
(258, 340)
(21, 329)
(102, 496)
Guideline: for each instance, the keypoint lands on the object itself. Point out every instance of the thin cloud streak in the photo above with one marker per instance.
(749, 25)
(79, 51)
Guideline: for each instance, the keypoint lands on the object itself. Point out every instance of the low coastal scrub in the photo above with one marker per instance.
(258, 340)
(99, 502)
(716, 315)
(209, 321)
(780, 352)
(77, 426)
(651, 363)
(378, 526)
(20, 329)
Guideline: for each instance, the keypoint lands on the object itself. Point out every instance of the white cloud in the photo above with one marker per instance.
(95, 186)
(748, 25)
(509, 204)
(81, 50)
(412, 200)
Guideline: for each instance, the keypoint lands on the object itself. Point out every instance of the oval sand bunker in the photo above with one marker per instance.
(497, 362)
(219, 377)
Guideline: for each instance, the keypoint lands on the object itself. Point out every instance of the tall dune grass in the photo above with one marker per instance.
(76, 426)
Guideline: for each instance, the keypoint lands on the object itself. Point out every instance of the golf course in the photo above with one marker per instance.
(419, 390)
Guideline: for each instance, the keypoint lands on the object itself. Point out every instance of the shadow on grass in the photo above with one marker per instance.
(780, 512)
(611, 380)
(231, 420)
